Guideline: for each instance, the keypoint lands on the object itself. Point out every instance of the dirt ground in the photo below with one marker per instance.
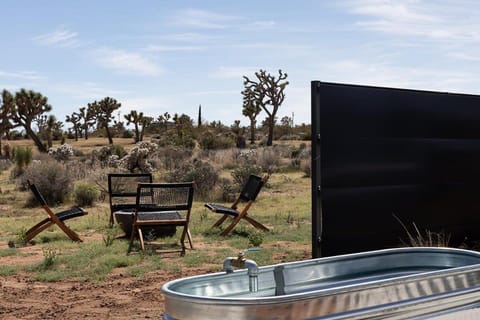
(119, 297)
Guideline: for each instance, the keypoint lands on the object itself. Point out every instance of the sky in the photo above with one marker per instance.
(158, 56)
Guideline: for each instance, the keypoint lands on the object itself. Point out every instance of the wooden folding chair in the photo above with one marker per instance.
(53, 218)
(249, 193)
(163, 204)
(122, 190)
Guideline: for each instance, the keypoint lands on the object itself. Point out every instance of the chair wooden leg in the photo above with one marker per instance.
(189, 236)
(69, 232)
(220, 221)
(255, 223)
(111, 219)
(140, 237)
(36, 229)
(232, 225)
(132, 237)
(185, 234)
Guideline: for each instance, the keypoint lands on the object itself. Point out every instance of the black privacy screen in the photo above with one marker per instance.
(384, 157)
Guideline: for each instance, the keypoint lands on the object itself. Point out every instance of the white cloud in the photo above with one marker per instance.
(25, 75)
(267, 24)
(161, 48)
(446, 20)
(464, 56)
(87, 91)
(203, 19)
(191, 37)
(214, 93)
(59, 38)
(126, 62)
(233, 72)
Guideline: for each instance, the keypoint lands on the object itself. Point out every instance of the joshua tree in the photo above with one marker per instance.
(104, 113)
(163, 119)
(28, 106)
(267, 90)
(5, 107)
(74, 119)
(251, 109)
(146, 122)
(138, 120)
(88, 116)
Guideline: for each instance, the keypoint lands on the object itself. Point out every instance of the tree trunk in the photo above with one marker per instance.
(270, 130)
(137, 133)
(36, 139)
(252, 131)
(109, 135)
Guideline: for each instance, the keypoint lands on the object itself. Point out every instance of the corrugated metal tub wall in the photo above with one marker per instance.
(403, 283)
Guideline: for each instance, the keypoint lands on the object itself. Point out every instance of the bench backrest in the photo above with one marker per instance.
(122, 189)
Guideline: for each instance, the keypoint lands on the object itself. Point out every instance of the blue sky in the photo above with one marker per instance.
(172, 56)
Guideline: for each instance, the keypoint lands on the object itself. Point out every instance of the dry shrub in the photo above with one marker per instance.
(202, 173)
(173, 157)
(306, 167)
(269, 159)
(52, 180)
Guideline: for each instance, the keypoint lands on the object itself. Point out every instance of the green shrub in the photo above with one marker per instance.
(209, 141)
(256, 238)
(240, 174)
(22, 157)
(106, 152)
(85, 194)
(52, 180)
(202, 173)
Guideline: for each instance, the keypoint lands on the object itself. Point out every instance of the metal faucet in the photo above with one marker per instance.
(240, 262)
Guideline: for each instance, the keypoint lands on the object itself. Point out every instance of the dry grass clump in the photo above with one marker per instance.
(427, 239)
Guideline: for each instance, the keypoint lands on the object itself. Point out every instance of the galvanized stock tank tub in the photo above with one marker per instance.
(403, 283)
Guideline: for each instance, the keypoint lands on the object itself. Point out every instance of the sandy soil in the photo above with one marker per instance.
(119, 297)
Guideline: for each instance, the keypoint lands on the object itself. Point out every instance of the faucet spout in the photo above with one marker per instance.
(252, 268)
(232, 263)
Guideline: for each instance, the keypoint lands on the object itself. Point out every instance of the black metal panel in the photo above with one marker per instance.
(385, 152)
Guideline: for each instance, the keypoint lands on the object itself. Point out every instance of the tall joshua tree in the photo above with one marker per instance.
(5, 107)
(87, 114)
(251, 109)
(74, 119)
(146, 122)
(28, 106)
(267, 90)
(104, 114)
(137, 119)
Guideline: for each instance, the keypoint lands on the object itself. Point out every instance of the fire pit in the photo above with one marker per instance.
(124, 219)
